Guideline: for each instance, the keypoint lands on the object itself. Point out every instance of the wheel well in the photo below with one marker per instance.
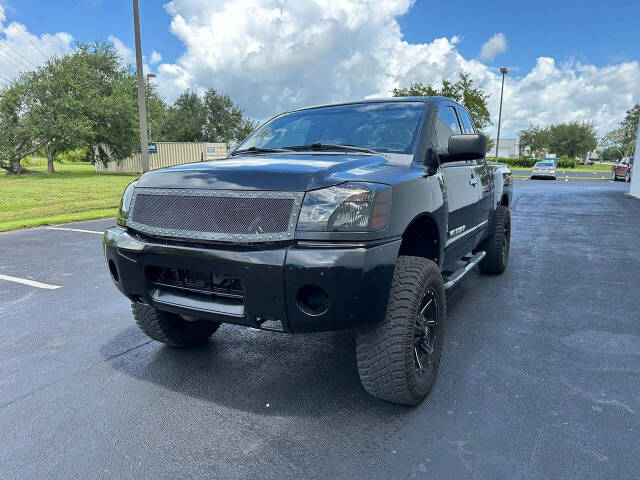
(421, 239)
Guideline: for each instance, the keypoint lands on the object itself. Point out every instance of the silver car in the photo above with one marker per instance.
(546, 169)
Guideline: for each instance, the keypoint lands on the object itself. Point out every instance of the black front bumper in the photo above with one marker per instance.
(356, 279)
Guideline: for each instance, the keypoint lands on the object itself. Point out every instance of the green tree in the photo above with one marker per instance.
(623, 138)
(85, 98)
(19, 125)
(185, 120)
(463, 91)
(573, 139)
(225, 121)
(210, 118)
(610, 154)
(535, 139)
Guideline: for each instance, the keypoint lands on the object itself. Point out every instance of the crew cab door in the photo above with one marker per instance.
(461, 182)
(484, 185)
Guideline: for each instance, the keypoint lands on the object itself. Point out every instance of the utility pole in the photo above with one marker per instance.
(503, 71)
(142, 106)
(149, 77)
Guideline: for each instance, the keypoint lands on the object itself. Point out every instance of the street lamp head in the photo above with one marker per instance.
(503, 71)
(151, 75)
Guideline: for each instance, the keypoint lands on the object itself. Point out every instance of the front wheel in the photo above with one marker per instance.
(613, 176)
(398, 359)
(498, 244)
(627, 177)
(170, 328)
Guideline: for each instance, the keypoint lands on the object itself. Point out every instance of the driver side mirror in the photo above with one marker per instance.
(465, 147)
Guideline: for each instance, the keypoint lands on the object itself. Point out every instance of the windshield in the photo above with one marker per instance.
(385, 127)
(544, 164)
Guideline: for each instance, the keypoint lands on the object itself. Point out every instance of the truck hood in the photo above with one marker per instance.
(280, 172)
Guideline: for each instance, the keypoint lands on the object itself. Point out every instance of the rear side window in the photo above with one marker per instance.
(446, 126)
(465, 119)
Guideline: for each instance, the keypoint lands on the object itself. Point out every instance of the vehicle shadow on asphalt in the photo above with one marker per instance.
(297, 375)
(246, 369)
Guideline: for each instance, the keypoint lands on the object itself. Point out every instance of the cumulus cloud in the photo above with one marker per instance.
(128, 56)
(155, 57)
(20, 50)
(494, 46)
(125, 53)
(272, 55)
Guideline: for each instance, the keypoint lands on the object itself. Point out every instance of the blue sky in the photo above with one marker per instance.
(592, 31)
(568, 60)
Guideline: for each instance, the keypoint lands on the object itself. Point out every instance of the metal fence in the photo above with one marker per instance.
(168, 154)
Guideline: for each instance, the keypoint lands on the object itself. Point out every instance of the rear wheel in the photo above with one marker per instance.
(498, 244)
(613, 176)
(172, 329)
(398, 359)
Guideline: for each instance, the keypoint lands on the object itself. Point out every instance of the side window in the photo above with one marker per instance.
(467, 126)
(446, 126)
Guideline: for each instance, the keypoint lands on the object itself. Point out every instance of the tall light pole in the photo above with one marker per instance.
(149, 77)
(503, 71)
(142, 107)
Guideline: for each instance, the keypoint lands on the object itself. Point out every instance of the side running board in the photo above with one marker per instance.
(455, 277)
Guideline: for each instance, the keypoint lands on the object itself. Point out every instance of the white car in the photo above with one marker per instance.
(546, 169)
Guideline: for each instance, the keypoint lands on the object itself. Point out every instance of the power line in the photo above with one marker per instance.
(17, 25)
(7, 44)
(13, 61)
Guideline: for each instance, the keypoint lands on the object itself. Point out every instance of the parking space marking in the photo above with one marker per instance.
(26, 281)
(74, 230)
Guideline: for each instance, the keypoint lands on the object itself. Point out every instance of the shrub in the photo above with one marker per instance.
(78, 155)
(525, 162)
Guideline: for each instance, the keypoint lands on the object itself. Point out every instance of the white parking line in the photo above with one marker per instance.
(74, 230)
(26, 281)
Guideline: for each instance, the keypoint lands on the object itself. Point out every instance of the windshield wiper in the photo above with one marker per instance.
(257, 150)
(329, 146)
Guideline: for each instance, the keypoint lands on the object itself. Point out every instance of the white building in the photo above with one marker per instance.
(509, 148)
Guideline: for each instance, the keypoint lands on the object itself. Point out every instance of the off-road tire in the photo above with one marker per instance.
(614, 177)
(385, 351)
(627, 177)
(497, 245)
(170, 328)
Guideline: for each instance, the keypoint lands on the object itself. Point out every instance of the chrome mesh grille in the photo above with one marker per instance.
(215, 214)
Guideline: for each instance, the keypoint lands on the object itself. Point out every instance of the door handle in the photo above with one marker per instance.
(473, 180)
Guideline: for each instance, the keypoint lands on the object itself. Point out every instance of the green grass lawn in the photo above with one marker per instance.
(74, 192)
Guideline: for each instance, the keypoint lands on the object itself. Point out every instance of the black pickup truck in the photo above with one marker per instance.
(355, 215)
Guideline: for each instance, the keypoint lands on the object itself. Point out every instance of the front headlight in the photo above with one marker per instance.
(351, 207)
(125, 203)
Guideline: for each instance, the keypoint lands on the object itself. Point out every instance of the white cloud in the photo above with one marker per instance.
(126, 54)
(21, 50)
(271, 55)
(155, 57)
(494, 46)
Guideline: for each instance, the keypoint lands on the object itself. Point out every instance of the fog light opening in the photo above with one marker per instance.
(312, 300)
(114, 271)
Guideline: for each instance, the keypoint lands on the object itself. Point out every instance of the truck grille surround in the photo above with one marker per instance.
(219, 215)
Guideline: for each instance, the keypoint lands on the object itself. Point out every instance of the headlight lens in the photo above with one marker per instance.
(125, 203)
(351, 207)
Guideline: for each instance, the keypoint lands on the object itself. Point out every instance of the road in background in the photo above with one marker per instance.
(538, 378)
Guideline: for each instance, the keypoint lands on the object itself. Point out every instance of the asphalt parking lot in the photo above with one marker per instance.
(540, 375)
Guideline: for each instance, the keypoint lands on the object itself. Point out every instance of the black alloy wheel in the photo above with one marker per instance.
(425, 332)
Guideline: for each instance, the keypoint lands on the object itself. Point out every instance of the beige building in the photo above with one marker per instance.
(167, 154)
